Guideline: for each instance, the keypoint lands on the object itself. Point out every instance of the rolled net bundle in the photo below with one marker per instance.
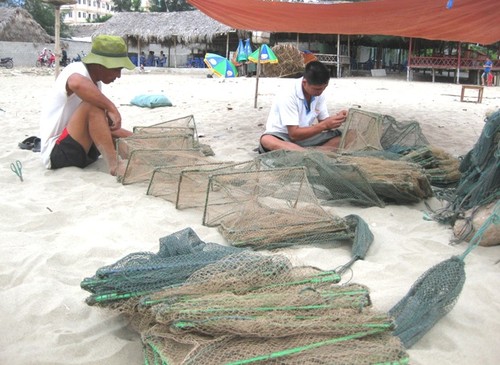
(186, 186)
(441, 168)
(333, 182)
(269, 209)
(142, 163)
(393, 181)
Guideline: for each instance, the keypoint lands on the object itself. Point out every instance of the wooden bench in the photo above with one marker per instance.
(479, 89)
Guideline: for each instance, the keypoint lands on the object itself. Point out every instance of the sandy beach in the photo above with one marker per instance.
(59, 227)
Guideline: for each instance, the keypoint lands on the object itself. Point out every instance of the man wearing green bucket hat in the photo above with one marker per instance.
(78, 122)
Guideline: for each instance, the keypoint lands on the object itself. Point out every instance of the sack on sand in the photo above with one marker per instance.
(473, 220)
(151, 101)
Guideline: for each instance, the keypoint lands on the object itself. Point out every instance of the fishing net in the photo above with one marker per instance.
(332, 182)
(137, 274)
(186, 186)
(479, 184)
(180, 125)
(198, 303)
(142, 163)
(435, 293)
(362, 130)
(269, 209)
(160, 141)
(393, 181)
(291, 61)
(356, 179)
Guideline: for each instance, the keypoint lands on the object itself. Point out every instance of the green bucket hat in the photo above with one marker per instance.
(109, 51)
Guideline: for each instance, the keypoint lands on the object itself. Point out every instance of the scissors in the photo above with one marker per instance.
(17, 168)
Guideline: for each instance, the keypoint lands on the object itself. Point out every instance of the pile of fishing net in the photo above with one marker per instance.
(291, 62)
(473, 200)
(241, 308)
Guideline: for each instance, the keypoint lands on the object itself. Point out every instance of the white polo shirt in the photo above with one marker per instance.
(290, 108)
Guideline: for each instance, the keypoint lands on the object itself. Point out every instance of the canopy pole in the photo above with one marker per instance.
(175, 52)
(139, 52)
(338, 56)
(349, 52)
(57, 14)
(257, 78)
(227, 45)
(408, 62)
(459, 51)
(298, 41)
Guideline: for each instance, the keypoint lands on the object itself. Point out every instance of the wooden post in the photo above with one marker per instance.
(338, 56)
(57, 15)
(257, 74)
(408, 61)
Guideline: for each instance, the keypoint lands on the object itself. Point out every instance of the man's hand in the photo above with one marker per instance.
(335, 121)
(114, 120)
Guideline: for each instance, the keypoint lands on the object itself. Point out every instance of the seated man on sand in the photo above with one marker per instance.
(78, 122)
(291, 121)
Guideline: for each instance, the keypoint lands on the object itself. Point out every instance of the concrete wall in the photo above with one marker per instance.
(25, 54)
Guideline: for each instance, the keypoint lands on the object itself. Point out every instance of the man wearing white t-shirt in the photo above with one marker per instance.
(291, 124)
(78, 122)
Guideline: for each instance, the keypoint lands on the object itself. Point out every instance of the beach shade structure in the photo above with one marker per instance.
(263, 54)
(220, 66)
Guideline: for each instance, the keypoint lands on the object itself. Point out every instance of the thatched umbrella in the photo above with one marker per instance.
(17, 25)
(170, 29)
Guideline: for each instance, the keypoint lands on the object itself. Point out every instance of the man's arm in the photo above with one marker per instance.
(90, 93)
(297, 133)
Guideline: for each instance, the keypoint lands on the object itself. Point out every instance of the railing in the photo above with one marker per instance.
(448, 62)
(331, 59)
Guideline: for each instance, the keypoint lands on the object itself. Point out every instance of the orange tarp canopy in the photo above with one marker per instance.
(471, 21)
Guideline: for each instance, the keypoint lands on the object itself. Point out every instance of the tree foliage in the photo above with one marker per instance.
(42, 13)
(169, 6)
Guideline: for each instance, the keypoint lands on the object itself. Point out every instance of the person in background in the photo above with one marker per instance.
(78, 122)
(486, 71)
(291, 124)
(162, 60)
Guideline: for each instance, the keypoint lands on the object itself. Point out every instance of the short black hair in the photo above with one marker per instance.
(316, 73)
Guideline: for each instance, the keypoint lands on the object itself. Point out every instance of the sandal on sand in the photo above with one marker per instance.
(36, 144)
(28, 143)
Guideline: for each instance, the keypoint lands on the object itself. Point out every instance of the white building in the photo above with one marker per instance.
(86, 10)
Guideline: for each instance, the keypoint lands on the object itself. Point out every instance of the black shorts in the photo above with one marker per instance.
(68, 152)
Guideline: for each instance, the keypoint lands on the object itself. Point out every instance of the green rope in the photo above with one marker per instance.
(494, 218)
(296, 350)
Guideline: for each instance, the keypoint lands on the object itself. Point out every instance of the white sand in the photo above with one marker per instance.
(58, 227)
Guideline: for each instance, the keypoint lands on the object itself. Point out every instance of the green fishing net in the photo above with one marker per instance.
(244, 307)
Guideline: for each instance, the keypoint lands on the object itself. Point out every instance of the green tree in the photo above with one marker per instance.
(43, 14)
(169, 6)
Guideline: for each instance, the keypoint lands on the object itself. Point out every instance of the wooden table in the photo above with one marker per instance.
(479, 89)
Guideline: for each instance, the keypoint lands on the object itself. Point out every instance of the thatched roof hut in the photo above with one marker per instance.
(169, 29)
(17, 25)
